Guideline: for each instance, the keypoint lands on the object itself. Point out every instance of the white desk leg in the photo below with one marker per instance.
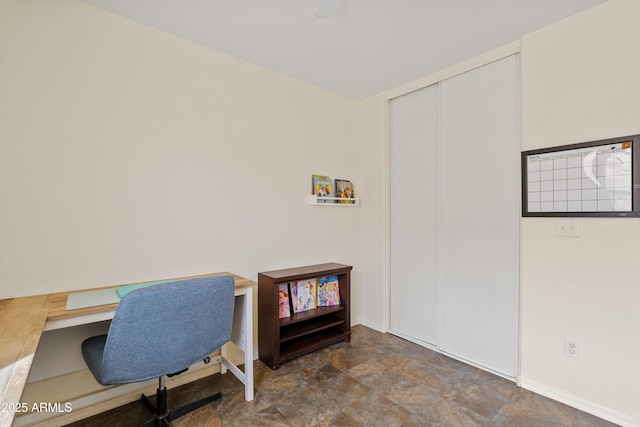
(248, 350)
(242, 336)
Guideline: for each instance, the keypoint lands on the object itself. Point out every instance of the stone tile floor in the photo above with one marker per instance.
(375, 380)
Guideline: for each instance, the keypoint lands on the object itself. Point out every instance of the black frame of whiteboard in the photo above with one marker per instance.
(635, 174)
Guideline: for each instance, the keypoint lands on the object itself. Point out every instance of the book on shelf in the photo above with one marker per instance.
(322, 186)
(284, 301)
(303, 294)
(344, 190)
(328, 291)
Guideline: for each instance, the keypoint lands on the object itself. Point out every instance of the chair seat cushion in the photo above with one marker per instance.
(92, 351)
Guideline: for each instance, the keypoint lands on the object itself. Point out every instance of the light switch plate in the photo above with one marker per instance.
(567, 228)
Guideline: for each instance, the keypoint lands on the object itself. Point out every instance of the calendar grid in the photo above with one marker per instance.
(585, 180)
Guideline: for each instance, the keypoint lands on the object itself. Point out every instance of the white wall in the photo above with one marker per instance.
(127, 154)
(581, 82)
(369, 298)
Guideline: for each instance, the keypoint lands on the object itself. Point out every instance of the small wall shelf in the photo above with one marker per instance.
(332, 201)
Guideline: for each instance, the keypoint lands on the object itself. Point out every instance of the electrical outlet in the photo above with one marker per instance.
(571, 348)
(567, 228)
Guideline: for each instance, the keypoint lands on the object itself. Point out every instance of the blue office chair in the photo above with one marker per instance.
(160, 331)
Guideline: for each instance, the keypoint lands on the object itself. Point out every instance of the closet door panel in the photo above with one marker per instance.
(479, 215)
(413, 215)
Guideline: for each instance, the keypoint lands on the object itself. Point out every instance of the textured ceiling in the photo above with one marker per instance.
(367, 47)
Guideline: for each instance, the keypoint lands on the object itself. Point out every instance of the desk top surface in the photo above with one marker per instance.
(58, 301)
(21, 323)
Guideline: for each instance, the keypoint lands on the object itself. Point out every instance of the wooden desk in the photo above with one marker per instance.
(22, 321)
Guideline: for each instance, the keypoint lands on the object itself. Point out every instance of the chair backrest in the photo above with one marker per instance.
(165, 328)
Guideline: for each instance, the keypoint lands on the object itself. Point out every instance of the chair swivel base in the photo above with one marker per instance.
(162, 417)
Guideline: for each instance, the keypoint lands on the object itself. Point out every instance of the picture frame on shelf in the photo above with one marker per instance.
(321, 187)
(328, 291)
(344, 190)
(303, 295)
(284, 301)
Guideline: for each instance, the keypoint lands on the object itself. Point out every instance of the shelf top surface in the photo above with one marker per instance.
(309, 271)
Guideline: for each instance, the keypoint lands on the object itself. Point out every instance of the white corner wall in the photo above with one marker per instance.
(128, 154)
(369, 298)
(581, 82)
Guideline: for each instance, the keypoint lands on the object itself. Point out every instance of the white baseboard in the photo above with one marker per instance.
(581, 404)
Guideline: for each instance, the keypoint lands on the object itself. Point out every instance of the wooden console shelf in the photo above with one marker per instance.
(280, 340)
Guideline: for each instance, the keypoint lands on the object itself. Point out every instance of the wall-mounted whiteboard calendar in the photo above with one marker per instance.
(598, 178)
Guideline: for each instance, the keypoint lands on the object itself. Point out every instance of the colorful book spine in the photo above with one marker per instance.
(284, 305)
(328, 291)
(344, 190)
(303, 295)
(322, 186)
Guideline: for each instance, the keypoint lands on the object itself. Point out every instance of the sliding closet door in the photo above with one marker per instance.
(479, 215)
(414, 188)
